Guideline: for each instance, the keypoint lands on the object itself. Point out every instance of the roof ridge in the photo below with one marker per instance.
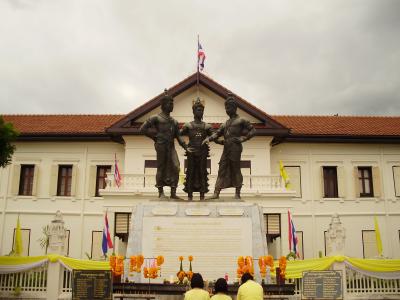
(339, 116)
(58, 115)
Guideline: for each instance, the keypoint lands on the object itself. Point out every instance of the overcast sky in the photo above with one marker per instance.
(287, 57)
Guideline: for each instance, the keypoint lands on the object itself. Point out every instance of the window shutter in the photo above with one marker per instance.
(376, 182)
(396, 176)
(356, 183)
(341, 182)
(321, 184)
(122, 222)
(74, 179)
(15, 179)
(272, 224)
(53, 180)
(92, 181)
(35, 180)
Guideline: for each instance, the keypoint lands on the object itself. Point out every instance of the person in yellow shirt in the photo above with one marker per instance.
(249, 289)
(197, 292)
(221, 290)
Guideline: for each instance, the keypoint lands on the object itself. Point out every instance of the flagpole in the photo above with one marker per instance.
(198, 42)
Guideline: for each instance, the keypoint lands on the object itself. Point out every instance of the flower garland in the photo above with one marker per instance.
(245, 265)
(117, 264)
(155, 266)
(265, 261)
(282, 266)
(135, 263)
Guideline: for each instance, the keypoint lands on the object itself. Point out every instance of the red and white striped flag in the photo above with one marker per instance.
(117, 175)
(201, 57)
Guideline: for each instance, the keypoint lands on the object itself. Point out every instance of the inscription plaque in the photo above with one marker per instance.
(322, 285)
(215, 243)
(91, 284)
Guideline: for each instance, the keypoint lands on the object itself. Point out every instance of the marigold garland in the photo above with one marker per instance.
(119, 266)
(139, 262)
(245, 265)
(160, 260)
(282, 265)
(132, 264)
(264, 262)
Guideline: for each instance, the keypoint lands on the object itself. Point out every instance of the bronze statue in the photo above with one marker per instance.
(163, 129)
(196, 174)
(235, 131)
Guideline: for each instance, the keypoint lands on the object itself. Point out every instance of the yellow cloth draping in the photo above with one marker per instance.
(375, 265)
(80, 264)
(72, 263)
(295, 268)
(20, 260)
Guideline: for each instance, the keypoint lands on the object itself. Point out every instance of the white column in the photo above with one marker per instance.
(54, 279)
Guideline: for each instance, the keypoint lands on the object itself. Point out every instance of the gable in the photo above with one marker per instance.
(214, 96)
(214, 111)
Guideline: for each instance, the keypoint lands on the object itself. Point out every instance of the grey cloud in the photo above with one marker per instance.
(288, 57)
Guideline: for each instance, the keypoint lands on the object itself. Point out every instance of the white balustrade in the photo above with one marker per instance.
(29, 284)
(146, 183)
(67, 281)
(361, 285)
(33, 284)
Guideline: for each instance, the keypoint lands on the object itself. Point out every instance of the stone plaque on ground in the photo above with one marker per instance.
(91, 285)
(322, 285)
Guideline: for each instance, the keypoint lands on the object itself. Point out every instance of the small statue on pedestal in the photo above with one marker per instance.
(163, 129)
(197, 153)
(235, 131)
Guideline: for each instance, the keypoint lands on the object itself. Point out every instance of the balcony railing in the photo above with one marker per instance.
(142, 183)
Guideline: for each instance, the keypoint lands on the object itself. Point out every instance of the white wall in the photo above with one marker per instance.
(312, 212)
(83, 213)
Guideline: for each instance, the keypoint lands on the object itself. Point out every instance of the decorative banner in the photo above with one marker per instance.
(379, 268)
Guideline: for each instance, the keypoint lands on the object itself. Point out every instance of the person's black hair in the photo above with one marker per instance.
(197, 281)
(245, 277)
(221, 286)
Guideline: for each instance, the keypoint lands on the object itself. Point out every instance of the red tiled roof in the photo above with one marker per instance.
(300, 125)
(61, 124)
(341, 125)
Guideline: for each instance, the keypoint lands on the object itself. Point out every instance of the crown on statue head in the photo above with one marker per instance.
(197, 102)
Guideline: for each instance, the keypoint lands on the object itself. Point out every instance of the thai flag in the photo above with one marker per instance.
(117, 175)
(106, 242)
(201, 56)
(292, 236)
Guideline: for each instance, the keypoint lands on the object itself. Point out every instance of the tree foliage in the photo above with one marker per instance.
(7, 135)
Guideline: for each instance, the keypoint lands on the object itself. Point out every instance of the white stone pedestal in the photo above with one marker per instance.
(214, 233)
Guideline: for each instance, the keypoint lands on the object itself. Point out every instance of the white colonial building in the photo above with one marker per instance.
(348, 165)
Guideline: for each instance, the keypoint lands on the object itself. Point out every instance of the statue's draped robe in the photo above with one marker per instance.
(196, 179)
(229, 173)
